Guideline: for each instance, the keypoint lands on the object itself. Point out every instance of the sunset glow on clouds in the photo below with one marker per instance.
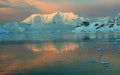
(19, 9)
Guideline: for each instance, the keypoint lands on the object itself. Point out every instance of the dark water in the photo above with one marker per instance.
(67, 54)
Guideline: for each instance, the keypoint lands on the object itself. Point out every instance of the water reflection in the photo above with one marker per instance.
(61, 57)
(53, 47)
(49, 37)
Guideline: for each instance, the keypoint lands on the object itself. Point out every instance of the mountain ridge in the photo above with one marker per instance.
(48, 18)
(58, 21)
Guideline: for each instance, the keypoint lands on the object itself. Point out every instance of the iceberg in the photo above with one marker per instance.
(92, 60)
(105, 63)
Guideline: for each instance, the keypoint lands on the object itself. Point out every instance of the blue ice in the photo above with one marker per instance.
(114, 43)
(92, 60)
(105, 63)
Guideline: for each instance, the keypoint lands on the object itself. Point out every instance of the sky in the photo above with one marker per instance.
(17, 10)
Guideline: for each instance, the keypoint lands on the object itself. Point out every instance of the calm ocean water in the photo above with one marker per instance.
(60, 54)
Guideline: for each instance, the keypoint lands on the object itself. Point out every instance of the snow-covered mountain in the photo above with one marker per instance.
(60, 22)
(57, 17)
(97, 27)
(106, 24)
(67, 18)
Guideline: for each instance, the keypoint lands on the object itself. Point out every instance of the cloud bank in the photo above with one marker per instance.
(19, 9)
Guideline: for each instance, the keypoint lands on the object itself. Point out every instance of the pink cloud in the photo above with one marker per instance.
(6, 10)
(26, 7)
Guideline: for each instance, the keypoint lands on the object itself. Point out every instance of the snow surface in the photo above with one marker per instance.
(105, 24)
(92, 28)
(57, 17)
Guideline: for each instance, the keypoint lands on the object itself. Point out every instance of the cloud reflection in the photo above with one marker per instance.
(18, 59)
(52, 47)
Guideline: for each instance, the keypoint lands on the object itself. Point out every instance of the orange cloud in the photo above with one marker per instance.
(23, 8)
(51, 7)
(6, 10)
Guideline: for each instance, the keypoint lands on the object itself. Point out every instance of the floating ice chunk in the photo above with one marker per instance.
(92, 60)
(100, 49)
(105, 63)
(114, 43)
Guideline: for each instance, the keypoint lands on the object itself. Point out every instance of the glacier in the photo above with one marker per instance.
(4, 31)
(63, 22)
